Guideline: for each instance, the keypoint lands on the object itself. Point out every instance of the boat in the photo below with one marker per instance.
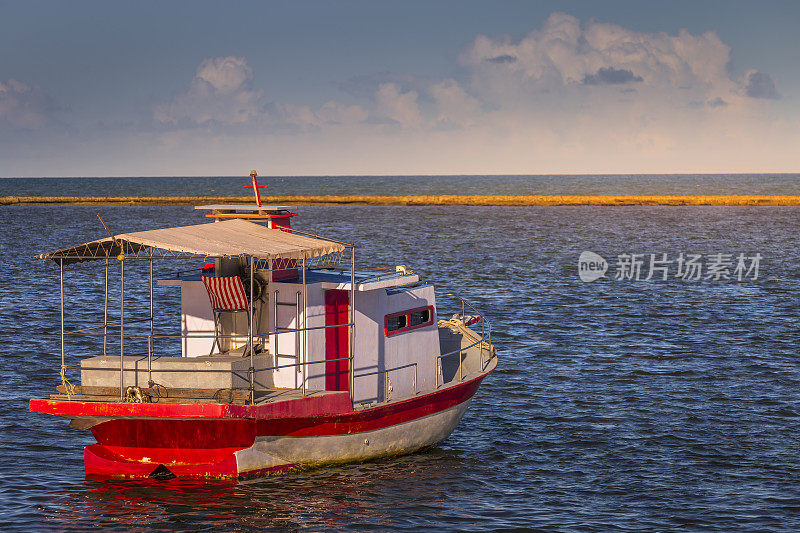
(282, 356)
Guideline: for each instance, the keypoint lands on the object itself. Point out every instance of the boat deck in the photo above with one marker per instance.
(465, 357)
(166, 395)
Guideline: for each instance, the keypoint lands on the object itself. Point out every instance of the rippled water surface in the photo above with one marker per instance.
(589, 184)
(617, 405)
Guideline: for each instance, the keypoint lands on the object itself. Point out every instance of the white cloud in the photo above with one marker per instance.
(453, 104)
(23, 107)
(337, 113)
(220, 92)
(593, 96)
(564, 54)
(227, 75)
(398, 106)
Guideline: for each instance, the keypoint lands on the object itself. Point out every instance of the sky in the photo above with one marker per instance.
(394, 88)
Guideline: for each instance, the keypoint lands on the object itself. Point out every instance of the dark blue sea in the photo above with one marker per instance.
(590, 184)
(618, 404)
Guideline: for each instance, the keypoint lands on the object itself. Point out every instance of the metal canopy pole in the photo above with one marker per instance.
(105, 314)
(150, 381)
(352, 319)
(270, 318)
(275, 312)
(305, 312)
(483, 337)
(297, 334)
(61, 290)
(250, 342)
(121, 324)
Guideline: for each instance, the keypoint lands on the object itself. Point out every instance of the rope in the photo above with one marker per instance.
(69, 388)
(457, 323)
(454, 323)
(156, 391)
(135, 395)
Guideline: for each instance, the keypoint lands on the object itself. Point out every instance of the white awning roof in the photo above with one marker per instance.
(217, 239)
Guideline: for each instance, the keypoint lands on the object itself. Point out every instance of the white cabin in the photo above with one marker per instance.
(395, 328)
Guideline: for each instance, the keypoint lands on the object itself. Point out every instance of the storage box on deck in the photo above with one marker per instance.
(214, 372)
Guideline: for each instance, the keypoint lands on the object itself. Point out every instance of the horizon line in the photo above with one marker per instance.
(411, 175)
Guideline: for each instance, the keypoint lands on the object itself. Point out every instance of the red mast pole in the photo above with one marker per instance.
(255, 186)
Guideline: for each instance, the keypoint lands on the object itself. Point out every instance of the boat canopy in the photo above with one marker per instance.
(229, 238)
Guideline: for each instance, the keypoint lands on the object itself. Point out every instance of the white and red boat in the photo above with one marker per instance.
(285, 358)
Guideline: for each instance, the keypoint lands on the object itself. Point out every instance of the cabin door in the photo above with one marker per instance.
(337, 343)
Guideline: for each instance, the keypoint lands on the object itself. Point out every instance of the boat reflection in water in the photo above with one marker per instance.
(331, 498)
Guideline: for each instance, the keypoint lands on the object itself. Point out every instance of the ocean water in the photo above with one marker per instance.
(617, 405)
(693, 184)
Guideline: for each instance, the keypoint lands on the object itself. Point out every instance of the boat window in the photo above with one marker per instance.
(419, 317)
(408, 320)
(396, 322)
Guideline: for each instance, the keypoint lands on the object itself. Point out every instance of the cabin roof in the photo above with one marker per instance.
(228, 238)
(244, 207)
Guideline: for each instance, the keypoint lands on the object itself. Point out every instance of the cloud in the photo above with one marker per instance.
(760, 85)
(395, 105)
(227, 75)
(713, 103)
(220, 92)
(280, 116)
(505, 58)
(611, 76)
(333, 112)
(565, 53)
(24, 107)
(455, 107)
(366, 85)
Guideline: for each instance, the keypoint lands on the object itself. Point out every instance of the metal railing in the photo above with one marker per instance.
(484, 339)
(484, 343)
(301, 365)
(386, 378)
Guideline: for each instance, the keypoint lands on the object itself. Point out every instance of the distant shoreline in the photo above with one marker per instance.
(439, 200)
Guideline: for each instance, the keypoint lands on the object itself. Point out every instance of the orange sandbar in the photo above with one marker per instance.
(444, 200)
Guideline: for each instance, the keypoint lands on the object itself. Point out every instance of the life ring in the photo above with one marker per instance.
(467, 320)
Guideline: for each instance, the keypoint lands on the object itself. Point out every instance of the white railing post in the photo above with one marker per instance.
(105, 314)
(250, 340)
(61, 291)
(352, 321)
(150, 381)
(121, 259)
(305, 332)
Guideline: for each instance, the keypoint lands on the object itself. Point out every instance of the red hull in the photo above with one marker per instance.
(200, 440)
